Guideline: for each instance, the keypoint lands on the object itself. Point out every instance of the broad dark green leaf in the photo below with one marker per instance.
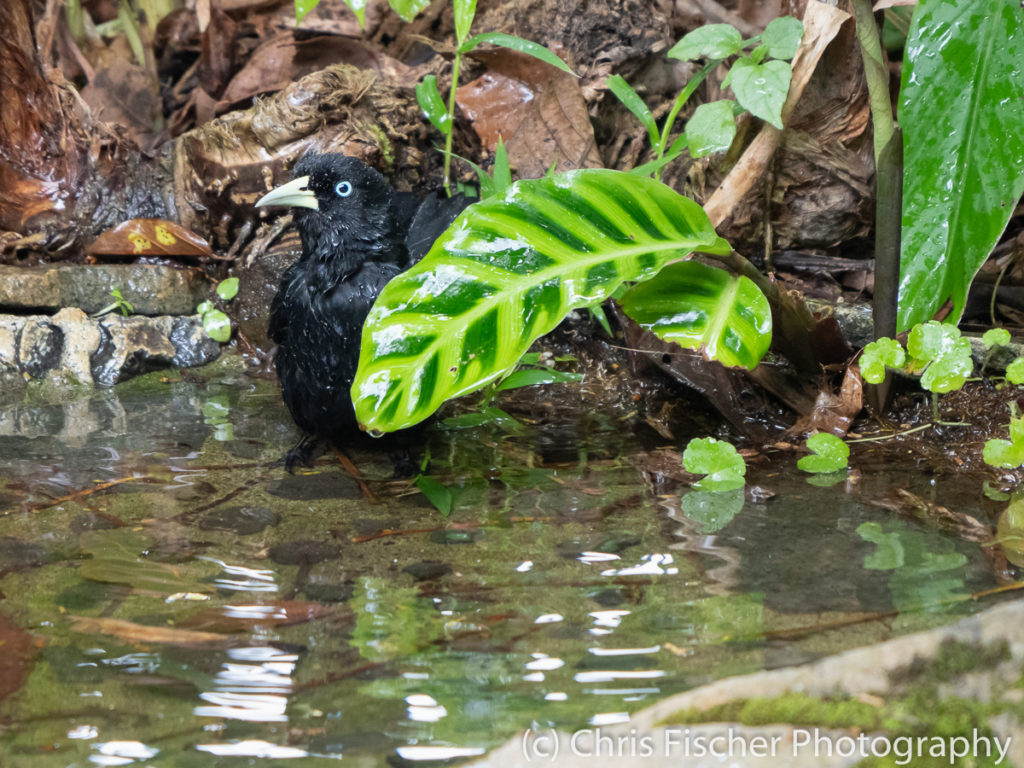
(430, 101)
(407, 9)
(516, 44)
(712, 41)
(631, 99)
(701, 307)
(761, 88)
(961, 109)
(782, 36)
(507, 271)
(712, 128)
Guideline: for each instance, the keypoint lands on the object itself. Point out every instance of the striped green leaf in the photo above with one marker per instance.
(506, 272)
(698, 306)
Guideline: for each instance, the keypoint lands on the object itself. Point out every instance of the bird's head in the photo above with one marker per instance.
(344, 207)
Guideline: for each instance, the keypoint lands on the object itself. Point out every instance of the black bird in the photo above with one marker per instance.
(357, 233)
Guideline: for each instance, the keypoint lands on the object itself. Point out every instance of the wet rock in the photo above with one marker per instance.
(304, 552)
(240, 520)
(39, 347)
(151, 289)
(323, 485)
(427, 570)
(324, 592)
(90, 521)
(192, 346)
(17, 553)
(71, 348)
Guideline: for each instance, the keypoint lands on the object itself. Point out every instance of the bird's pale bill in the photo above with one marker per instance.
(295, 192)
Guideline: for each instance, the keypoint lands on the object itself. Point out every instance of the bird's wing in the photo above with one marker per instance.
(433, 217)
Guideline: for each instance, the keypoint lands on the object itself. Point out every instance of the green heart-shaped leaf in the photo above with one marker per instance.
(712, 128)
(830, 454)
(724, 467)
(761, 88)
(945, 352)
(712, 41)
(507, 271)
(698, 306)
(879, 355)
(782, 36)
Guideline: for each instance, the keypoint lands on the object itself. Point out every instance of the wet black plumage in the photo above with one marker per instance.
(357, 233)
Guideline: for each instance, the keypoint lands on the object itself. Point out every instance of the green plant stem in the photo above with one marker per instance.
(681, 99)
(456, 66)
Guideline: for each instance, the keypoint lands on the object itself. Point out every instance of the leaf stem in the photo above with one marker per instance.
(681, 99)
(456, 66)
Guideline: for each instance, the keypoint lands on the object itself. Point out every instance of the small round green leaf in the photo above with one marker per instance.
(712, 41)
(782, 36)
(217, 325)
(228, 289)
(995, 337)
(761, 88)
(879, 355)
(718, 460)
(712, 128)
(1002, 453)
(205, 307)
(830, 454)
(945, 352)
(1015, 371)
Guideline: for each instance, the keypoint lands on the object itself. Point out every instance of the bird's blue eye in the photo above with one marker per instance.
(343, 189)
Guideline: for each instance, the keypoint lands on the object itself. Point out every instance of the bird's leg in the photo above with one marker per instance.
(300, 453)
(354, 473)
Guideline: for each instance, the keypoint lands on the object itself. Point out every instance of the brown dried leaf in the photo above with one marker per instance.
(283, 59)
(150, 237)
(835, 413)
(883, 4)
(123, 94)
(142, 633)
(217, 44)
(536, 109)
(244, 618)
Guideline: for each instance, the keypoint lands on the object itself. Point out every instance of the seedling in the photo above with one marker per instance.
(120, 303)
(830, 454)
(724, 468)
(216, 324)
(992, 338)
(879, 355)
(1007, 454)
(440, 115)
(760, 87)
